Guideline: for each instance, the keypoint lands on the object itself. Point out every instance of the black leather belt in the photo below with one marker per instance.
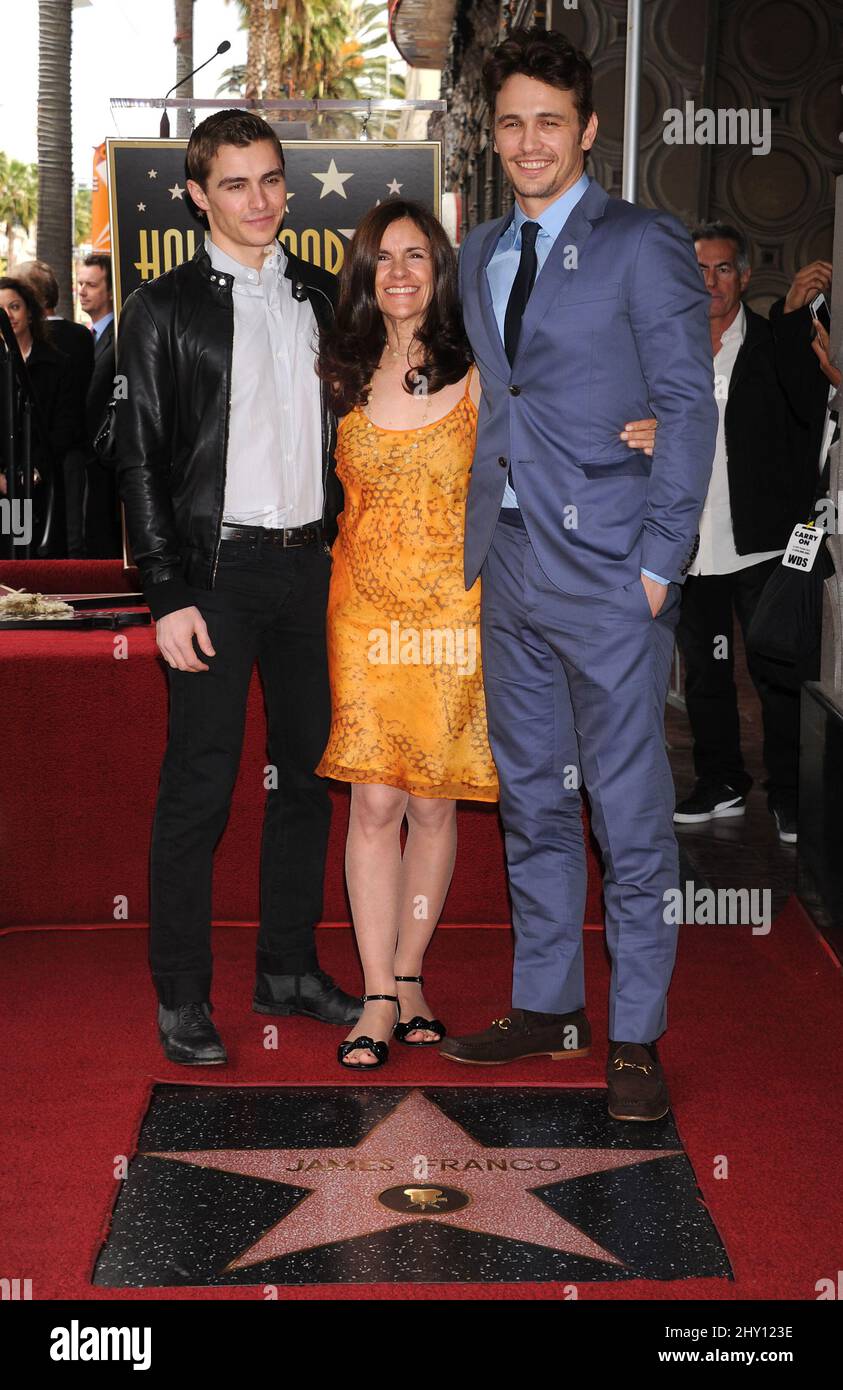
(512, 516)
(285, 536)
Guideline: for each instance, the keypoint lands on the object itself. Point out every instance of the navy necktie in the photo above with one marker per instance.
(521, 287)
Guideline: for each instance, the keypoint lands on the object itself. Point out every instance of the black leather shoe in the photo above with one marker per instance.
(636, 1084)
(189, 1036)
(314, 995)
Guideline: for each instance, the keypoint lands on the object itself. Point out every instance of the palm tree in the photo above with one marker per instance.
(18, 199)
(317, 48)
(55, 151)
(184, 63)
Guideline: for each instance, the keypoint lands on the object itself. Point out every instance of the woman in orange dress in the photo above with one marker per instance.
(409, 719)
(408, 724)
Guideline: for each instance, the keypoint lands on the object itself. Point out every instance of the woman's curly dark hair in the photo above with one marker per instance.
(351, 350)
(35, 309)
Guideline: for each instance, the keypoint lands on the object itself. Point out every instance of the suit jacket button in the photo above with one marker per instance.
(515, 390)
(504, 463)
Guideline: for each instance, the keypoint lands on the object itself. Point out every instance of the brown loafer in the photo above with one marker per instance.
(637, 1088)
(523, 1033)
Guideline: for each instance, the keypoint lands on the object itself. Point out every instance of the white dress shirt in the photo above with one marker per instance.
(717, 553)
(274, 458)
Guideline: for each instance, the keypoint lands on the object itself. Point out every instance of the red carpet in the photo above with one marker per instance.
(753, 1056)
(87, 718)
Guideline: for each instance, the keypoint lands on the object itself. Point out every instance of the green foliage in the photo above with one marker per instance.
(333, 49)
(82, 217)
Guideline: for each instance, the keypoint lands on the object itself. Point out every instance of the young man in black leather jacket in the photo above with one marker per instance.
(223, 444)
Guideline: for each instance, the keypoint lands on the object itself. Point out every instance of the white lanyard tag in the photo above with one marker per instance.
(802, 547)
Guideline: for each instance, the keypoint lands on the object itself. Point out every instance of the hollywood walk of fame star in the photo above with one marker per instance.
(345, 1184)
(395, 186)
(332, 180)
(176, 191)
(152, 173)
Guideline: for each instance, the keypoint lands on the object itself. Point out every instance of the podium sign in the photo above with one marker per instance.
(330, 185)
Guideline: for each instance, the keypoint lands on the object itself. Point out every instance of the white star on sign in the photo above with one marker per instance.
(346, 232)
(141, 207)
(152, 173)
(332, 180)
(395, 186)
(176, 191)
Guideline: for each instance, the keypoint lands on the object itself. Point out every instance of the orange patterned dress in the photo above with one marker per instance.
(403, 633)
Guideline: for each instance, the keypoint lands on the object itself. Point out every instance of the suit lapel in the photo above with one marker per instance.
(103, 340)
(559, 270)
(484, 293)
(753, 338)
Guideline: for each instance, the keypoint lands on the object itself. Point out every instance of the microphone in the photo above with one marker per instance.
(164, 129)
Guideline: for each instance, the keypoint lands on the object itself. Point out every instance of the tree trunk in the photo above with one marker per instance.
(55, 148)
(184, 64)
(256, 52)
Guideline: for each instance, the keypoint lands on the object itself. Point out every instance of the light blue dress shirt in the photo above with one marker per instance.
(101, 325)
(503, 266)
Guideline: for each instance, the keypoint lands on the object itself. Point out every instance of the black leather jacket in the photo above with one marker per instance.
(169, 434)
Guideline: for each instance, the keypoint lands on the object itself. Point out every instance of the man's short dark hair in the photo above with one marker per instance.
(231, 127)
(724, 231)
(104, 262)
(547, 56)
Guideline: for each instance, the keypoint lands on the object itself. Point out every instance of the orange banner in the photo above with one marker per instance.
(100, 228)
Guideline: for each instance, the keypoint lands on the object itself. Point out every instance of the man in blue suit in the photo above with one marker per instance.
(582, 311)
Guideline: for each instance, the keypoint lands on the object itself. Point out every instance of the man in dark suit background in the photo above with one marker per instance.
(762, 484)
(102, 513)
(77, 343)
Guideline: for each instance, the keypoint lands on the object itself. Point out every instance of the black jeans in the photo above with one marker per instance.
(267, 604)
(708, 602)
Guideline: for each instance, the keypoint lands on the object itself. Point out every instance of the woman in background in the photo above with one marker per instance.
(54, 421)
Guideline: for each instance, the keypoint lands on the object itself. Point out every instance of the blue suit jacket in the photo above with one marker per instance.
(616, 329)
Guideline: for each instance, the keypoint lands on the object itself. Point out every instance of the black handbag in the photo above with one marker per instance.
(786, 628)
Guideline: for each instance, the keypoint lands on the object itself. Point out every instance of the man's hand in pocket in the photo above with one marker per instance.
(656, 593)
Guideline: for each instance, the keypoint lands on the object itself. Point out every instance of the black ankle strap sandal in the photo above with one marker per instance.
(379, 1049)
(431, 1025)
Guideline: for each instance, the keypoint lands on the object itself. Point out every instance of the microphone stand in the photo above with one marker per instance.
(164, 128)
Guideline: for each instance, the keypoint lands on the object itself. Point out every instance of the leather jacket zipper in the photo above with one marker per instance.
(326, 449)
(224, 447)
